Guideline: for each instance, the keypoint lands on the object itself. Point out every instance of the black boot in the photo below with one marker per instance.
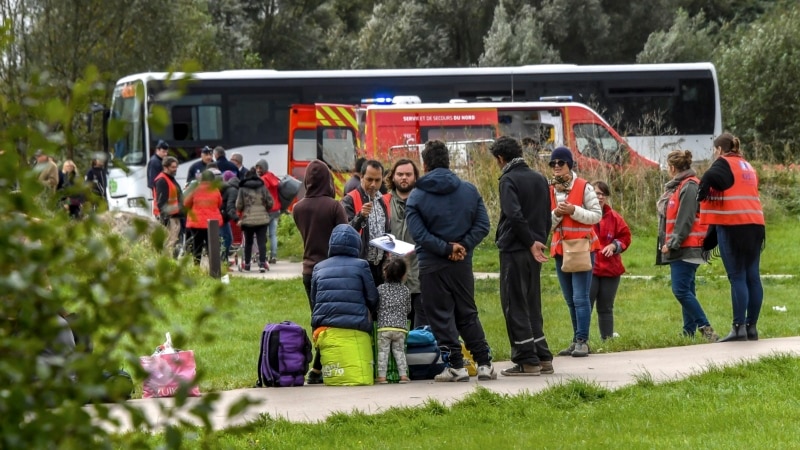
(738, 333)
(752, 332)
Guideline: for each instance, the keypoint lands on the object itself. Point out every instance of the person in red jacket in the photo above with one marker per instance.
(202, 204)
(615, 237)
(271, 181)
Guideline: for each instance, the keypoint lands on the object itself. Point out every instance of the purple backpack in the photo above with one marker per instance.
(285, 355)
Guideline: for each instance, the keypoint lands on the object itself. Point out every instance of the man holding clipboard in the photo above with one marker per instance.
(367, 213)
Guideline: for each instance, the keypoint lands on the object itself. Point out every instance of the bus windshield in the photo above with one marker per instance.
(126, 107)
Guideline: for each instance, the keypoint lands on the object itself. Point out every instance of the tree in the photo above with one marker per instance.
(690, 39)
(509, 44)
(49, 264)
(399, 35)
(758, 79)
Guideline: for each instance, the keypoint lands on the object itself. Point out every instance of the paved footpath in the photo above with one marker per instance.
(610, 370)
(316, 403)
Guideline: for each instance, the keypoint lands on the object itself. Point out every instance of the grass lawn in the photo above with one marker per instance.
(717, 409)
(647, 315)
(708, 409)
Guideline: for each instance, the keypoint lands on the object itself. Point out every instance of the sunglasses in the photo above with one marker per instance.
(557, 163)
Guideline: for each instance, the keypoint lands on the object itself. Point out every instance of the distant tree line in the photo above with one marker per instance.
(752, 42)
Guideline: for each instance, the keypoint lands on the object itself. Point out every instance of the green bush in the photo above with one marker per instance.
(112, 280)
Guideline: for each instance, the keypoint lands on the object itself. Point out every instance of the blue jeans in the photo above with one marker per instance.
(682, 275)
(747, 294)
(273, 235)
(575, 287)
(227, 240)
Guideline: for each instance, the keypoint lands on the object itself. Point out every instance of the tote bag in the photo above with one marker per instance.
(576, 255)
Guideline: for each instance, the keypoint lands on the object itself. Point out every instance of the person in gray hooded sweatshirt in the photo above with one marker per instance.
(253, 204)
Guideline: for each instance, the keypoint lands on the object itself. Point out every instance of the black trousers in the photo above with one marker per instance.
(260, 233)
(199, 242)
(521, 300)
(602, 294)
(417, 315)
(317, 364)
(377, 272)
(450, 306)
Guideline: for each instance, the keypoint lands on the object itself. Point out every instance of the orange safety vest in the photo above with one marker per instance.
(570, 228)
(699, 229)
(172, 200)
(356, 195)
(740, 204)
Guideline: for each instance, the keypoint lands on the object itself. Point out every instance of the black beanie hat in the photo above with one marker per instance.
(563, 154)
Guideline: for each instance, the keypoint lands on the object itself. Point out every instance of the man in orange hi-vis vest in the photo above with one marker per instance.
(367, 212)
(168, 201)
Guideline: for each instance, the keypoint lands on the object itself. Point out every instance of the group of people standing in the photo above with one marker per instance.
(446, 219)
(217, 189)
(76, 191)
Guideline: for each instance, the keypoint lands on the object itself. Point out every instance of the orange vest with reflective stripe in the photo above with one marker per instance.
(739, 204)
(570, 228)
(698, 233)
(172, 199)
(357, 204)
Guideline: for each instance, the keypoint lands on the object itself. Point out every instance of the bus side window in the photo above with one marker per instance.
(182, 123)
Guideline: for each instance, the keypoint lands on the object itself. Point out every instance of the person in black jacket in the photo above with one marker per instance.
(521, 233)
(229, 191)
(155, 165)
(368, 214)
(222, 162)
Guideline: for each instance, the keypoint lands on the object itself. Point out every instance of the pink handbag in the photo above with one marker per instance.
(166, 372)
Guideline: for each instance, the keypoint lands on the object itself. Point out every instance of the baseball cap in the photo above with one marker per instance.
(206, 149)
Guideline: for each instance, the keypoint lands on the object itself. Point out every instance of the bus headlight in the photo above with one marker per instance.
(137, 202)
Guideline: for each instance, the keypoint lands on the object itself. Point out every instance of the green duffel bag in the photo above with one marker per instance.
(346, 357)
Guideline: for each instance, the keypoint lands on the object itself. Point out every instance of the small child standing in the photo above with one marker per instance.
(394, 306)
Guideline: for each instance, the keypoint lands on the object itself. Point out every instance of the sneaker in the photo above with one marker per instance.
(450, 374)
(404, 380)
(547, 367)
(246, 268)
(581, 349)
(314, 377)
(709, 334)
(522, 370)
(273, 260)
(486, 373)
(567, 351)
(262, 268)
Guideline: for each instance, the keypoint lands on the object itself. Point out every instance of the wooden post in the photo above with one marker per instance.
(214, 268)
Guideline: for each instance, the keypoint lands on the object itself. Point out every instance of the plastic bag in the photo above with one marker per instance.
(167, 369)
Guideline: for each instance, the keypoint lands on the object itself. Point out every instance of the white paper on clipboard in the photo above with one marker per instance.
(389, 243)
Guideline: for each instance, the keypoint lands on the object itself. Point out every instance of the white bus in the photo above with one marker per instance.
(656, 107)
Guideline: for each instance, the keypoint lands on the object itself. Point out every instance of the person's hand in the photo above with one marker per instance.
(664, 249)
(565, 209)
(459, 252)
(609, 250)
(537, 250)
(366, 209)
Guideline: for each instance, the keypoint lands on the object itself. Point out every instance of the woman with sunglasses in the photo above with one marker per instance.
(574, 209)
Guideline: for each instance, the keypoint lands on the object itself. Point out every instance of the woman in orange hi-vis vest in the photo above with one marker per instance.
(680, 240)
(730, 204)
(574, 210)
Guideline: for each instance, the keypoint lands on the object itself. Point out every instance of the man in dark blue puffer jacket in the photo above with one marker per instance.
(447, 219)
